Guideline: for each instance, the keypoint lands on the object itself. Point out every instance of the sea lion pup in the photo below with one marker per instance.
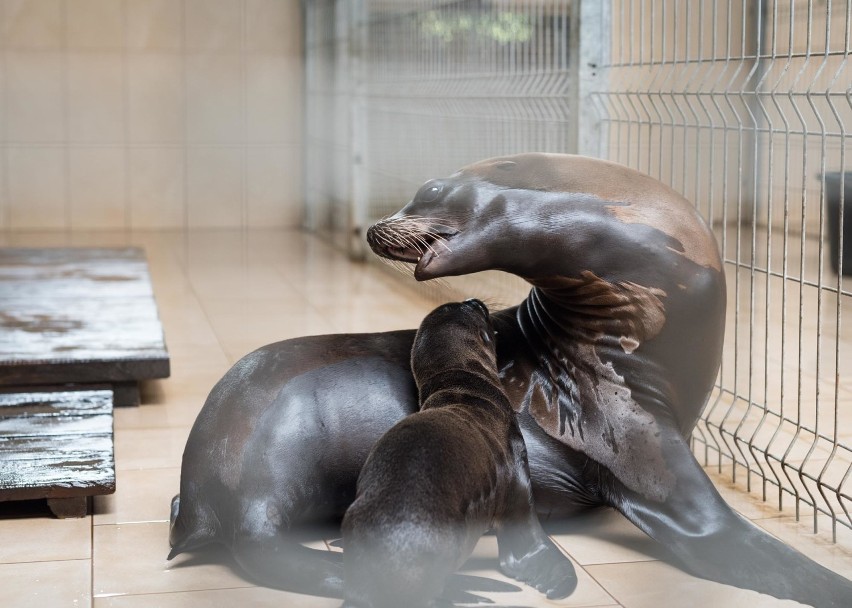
(440, 478)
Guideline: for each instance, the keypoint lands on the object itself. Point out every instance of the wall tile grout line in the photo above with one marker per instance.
(125, 90)
(185, 117)
(244, 212)
(66, 114)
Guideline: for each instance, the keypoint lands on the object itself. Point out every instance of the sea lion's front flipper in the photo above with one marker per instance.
(714, 542)
(526, 553)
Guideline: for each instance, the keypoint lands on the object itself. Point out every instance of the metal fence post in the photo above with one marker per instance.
(589, 58)
(359, 178)
(309, 216)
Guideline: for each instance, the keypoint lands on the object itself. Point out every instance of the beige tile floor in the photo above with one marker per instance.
(220, 295)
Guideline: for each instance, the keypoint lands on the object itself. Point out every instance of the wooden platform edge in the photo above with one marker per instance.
(86, 372)
(57, 445)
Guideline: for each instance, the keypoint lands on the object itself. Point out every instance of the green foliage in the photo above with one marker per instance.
(502, 26)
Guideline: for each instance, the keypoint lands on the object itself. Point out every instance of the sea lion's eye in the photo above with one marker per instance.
(430, 194)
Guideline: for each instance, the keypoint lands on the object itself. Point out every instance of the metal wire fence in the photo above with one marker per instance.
(741, 105)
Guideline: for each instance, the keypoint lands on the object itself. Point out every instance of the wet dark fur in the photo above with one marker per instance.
(608, 363)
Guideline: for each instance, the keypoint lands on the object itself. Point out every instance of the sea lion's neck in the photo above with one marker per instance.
(461, 385)
(587, 309)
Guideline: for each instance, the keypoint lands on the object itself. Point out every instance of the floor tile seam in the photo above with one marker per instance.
(130, 523)
(630, 561)
(613, 599)
(104, 596)
(627, 563)
(765, 517)
(603, 586)
(48, 561)
(91, 504)
(198, 300)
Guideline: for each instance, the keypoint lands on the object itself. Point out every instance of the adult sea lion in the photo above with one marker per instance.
(608, 363)
(440, 478)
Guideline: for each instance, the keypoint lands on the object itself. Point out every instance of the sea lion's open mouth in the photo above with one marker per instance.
(411, 240)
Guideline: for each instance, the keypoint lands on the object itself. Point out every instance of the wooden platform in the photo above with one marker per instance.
(57, 445)
(79, 315)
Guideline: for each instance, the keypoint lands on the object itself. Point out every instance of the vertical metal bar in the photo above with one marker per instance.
(589, 58)
(309, 38)
(359, 184)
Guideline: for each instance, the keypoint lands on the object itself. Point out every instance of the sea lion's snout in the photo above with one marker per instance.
(409, 239)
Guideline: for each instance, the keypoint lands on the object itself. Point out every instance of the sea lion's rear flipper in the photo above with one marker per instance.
(714, 542)
(283, 563)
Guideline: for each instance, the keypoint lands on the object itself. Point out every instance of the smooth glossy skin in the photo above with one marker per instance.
(442, 477)
(608, 364)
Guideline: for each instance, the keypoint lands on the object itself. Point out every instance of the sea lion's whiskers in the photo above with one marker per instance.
(439, 283)
(398, 266)
(443, 243)
(414, 238)
(426, 246)
(423, 232)
(383, 238)
(395, 239)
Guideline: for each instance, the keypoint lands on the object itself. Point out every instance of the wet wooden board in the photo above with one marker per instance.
(78, 315)
(57, 445)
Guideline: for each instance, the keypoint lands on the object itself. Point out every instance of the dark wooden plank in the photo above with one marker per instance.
(55, 402)
(78, 315)
(56, 445)
(76, 448)
(47, 426)
(28, 479)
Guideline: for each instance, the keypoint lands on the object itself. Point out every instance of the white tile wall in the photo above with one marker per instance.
(274, 198)
(33, 24)
(265, 20)
(156, 177)
(95, 102)
(96, 187)
(95, 24)
(271, 106)
(150, 113)
(37, 187)
(154, 25)
(35, 111)
(155, 98)
(214, 184)
(214, 26)
(214, 92)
